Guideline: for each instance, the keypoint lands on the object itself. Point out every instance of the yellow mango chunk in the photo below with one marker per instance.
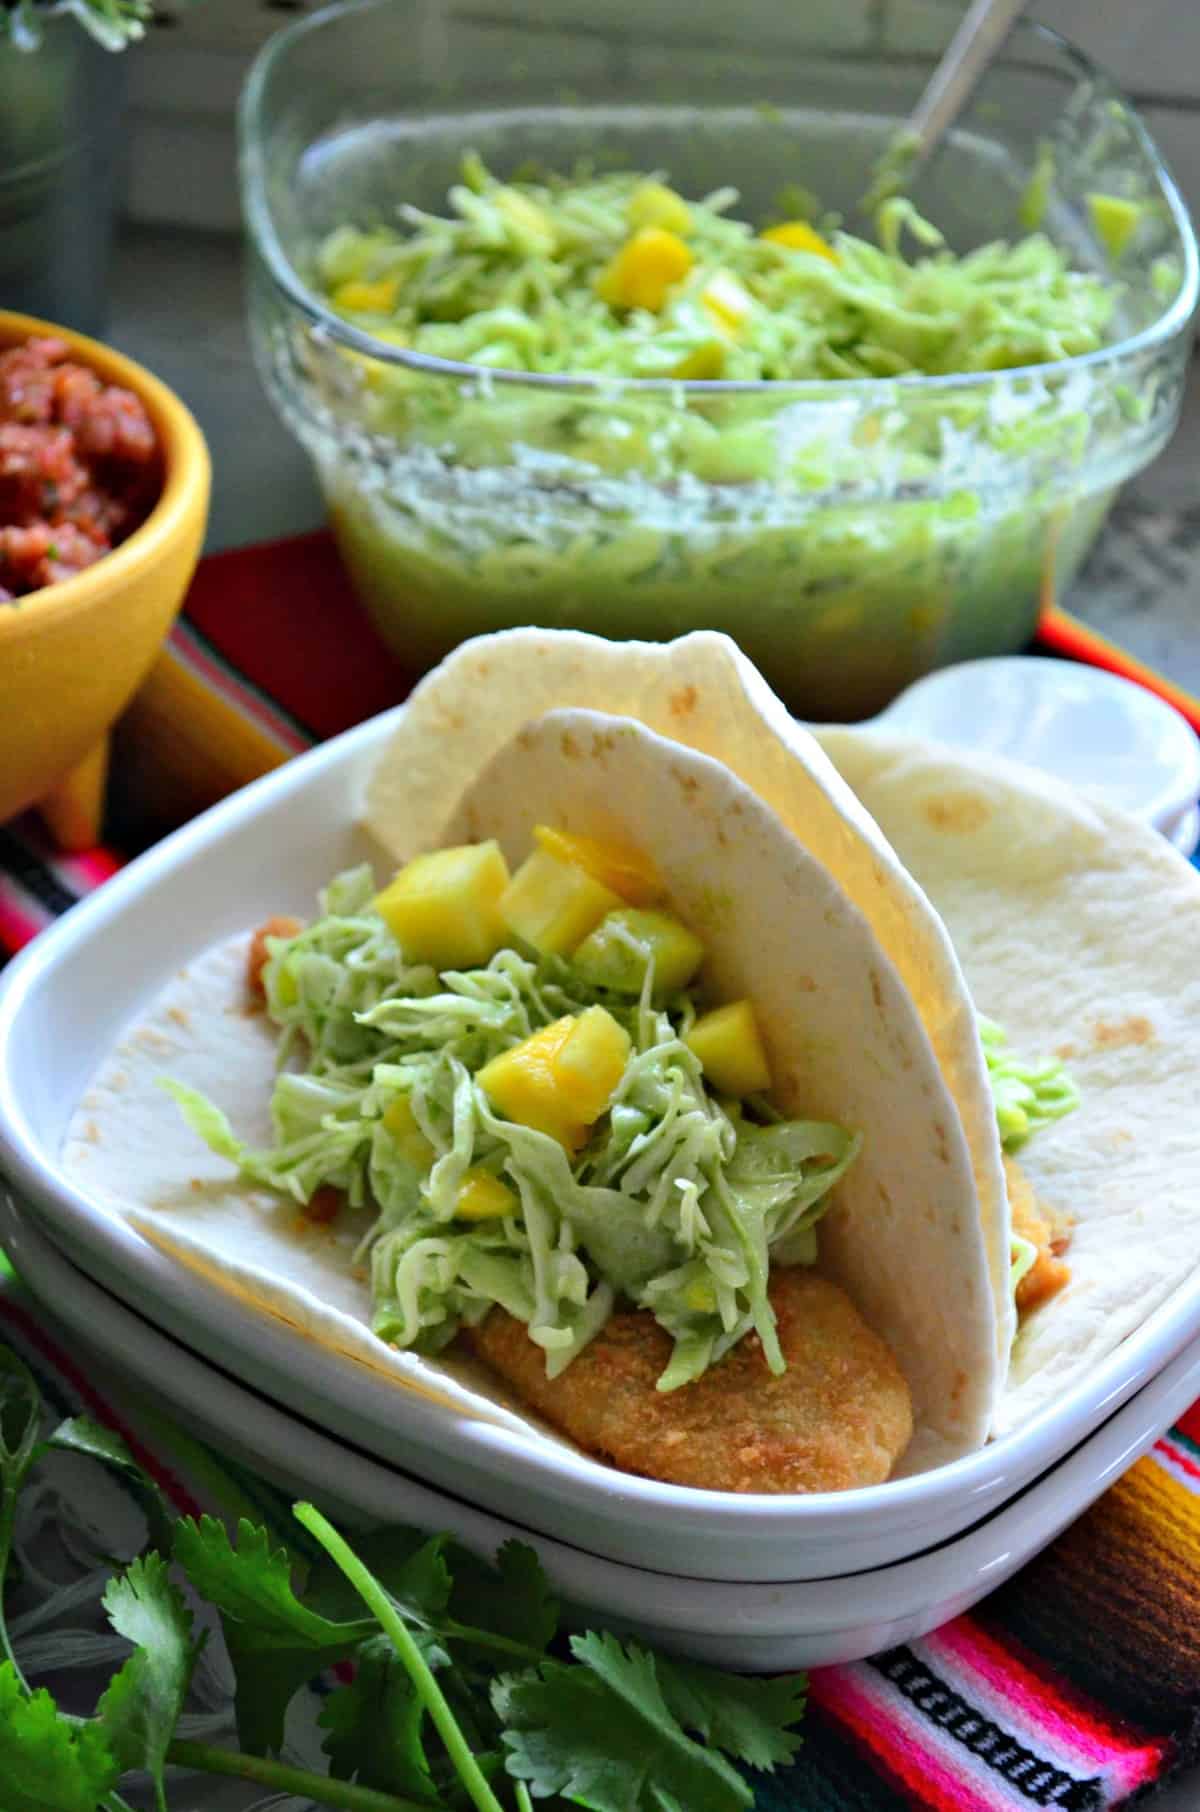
(444, 908)
(481, 1196)
(652, 204)
(522, 1085)
(798, 236)
(730, 1050)
(359, 296)
(553, 905)
(1115, 219)
(615, 954)
(617, 865)
(706, 361)
(561, 1079)
(590, 1062)
(401, 1122)
(645, 269)
(726, 301)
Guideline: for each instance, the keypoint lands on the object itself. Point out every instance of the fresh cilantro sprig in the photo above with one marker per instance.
(460, 1695)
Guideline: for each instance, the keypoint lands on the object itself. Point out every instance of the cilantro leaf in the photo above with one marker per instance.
(747, 1718)
(373, 1727)
(267, 1680)
(141, 1707)
(48, 1763)
(276, 1644)
(411, 1568)
(559, 1730)
(80, 1434)
(253, 1584)
(512, 1598)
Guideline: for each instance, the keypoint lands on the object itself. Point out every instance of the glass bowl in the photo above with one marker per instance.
(851, 535)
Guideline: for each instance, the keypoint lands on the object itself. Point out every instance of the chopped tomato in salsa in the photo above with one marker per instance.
(79, 466)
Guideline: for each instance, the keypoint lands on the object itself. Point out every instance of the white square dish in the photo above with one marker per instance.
(269, 848)
(757, 1626)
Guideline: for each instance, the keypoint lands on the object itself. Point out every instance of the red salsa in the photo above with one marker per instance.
(79, 466)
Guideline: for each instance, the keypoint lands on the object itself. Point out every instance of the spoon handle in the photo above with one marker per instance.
(984, 27)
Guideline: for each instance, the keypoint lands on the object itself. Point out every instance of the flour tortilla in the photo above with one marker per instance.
(702, 692)
(904, 1236)
(128, 1147)
(1078, 929)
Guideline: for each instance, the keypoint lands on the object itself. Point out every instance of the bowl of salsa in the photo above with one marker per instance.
(104, 480)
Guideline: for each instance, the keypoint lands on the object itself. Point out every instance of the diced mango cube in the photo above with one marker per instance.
(562, 1078)
(652, 204)
(616, 953)
(481, 1196)
(706, 361)
(553, 905)
(1115, 219)
(617, 865)
(361, 297)
(401, 1122)
(798, 236)
(730, 1050)
(590, 1062)
(522, 1085)
(444, 908)
(726, 301)
(645, 269)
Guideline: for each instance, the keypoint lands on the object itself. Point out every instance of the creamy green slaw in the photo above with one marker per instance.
(678, 1203)
(509, 279)
(852, 535)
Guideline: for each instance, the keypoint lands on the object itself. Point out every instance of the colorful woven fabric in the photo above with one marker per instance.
(1074, 1686)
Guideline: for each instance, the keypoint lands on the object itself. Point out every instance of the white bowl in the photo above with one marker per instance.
(66, 1000)
(1086, 726)
(767, 1626)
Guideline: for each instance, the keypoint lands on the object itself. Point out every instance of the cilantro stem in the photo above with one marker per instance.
(8, 1506)
(322, 1788)
(503, 1645)
(395, 1628)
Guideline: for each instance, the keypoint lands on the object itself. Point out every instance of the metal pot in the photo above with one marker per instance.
(60, 108)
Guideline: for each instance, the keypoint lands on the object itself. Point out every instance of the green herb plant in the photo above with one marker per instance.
(113, 23)
(462, 1693)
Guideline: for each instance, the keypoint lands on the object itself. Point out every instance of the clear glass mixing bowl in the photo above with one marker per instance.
(851, 535)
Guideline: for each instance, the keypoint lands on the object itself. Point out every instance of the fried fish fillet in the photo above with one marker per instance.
(1039, 1224)
(839, 1416)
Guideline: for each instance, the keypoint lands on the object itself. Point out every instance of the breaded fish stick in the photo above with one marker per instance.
(839, 1416)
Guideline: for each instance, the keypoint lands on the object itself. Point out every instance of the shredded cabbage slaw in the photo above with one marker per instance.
(680, 1201)
(509, 280)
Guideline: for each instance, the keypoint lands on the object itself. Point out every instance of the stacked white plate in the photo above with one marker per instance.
(767, 1625)
(755, 1581)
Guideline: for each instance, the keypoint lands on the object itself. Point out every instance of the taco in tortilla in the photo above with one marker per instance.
(998, 895)
(610, 1112)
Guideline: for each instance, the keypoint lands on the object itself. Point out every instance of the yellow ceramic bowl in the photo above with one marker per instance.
(73, 654)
